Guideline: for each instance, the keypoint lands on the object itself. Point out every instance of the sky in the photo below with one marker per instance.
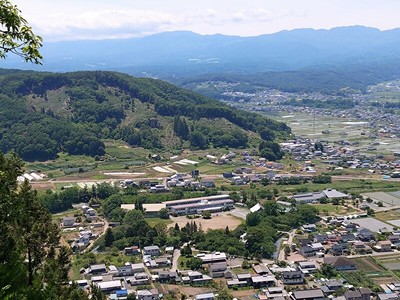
(57, 20)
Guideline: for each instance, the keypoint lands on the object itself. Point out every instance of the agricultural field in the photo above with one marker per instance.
(311, 126)
(374, 269)
(387, 216)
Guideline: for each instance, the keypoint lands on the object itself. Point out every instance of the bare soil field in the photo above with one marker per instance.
(244, 294)
(42, 185)
(217, 221)
(367, 264)
(190, 291)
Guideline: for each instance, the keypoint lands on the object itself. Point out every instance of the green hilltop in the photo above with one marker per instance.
(42, 114)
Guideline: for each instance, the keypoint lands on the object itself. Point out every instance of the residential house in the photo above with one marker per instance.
(394, 287)
(246, 277)
(384, 296)
(167, 277)
(110, 286)
(195, 277)
(151, 250)
(321, 238)
(365, 235)
(276, 292)
(292, 277)
(263, 281)
(133, 250)
(307, 251)
(394, 238)
(68, 221)
(260, 269)
(217, 269)
(384, 246)
(314, 294)
(359, 294)
(307, 267)
(340, 263)
(359, 247)
(125, 270)
(309, 228)
(331, 286)
(236, 283)
(349, 226)
(336, 250)
(345, 238)
(96, 269)
(147, 294)
(206, 296)
(137, 268)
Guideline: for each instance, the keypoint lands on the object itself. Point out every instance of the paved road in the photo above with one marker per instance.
(91, 243)
(289, 242)
(375, 254)
(175, 257)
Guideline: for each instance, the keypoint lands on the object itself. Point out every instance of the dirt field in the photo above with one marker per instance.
(189, 291)
(244, 294)
(367, 264)
(218, 221)
(42, 185)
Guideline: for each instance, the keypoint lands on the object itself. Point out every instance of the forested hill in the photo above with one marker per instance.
(42, 114)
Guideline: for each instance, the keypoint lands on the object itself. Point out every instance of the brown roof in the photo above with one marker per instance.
(338, 261)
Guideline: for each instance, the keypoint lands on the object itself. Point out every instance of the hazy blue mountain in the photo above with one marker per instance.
(183, 53)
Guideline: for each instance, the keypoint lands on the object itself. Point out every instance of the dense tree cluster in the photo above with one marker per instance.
(60, 201)
(32, 263)
(42, 114)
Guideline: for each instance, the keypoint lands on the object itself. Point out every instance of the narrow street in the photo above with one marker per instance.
(175, 257)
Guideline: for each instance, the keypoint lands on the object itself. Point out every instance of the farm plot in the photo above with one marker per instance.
(367, 264)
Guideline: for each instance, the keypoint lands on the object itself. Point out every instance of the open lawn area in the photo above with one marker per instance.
(388, 215)
(153, 221)
(329, 209)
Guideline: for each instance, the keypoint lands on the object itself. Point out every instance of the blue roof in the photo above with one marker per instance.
(121, 293)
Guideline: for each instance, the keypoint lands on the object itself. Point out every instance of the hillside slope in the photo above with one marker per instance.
(42, 114)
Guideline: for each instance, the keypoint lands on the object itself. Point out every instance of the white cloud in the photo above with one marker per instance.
(105, 23)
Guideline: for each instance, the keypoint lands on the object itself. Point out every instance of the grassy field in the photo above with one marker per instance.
(387, 215)
(329, 209)
(84, 260)
(153, 221)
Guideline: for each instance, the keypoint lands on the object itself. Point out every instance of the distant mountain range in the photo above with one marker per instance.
(182, 53)
(297, 60)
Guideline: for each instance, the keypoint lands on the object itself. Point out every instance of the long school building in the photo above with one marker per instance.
(198, 205)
